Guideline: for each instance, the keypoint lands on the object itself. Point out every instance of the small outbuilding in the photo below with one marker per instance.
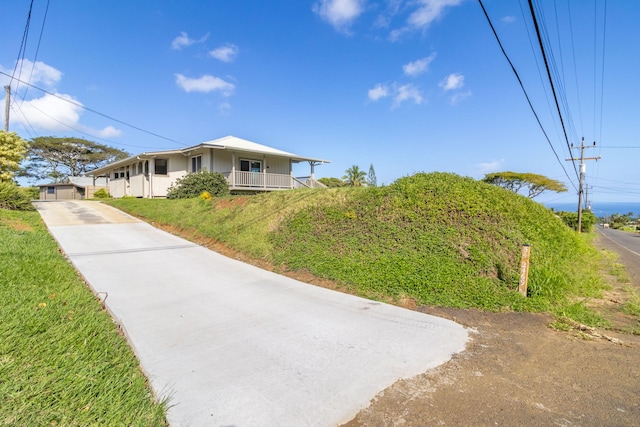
(74, 188)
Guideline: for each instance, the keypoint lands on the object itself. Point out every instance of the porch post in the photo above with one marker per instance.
(233, 169)
(264, 171)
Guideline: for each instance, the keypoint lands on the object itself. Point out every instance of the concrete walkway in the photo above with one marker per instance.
(233, 345)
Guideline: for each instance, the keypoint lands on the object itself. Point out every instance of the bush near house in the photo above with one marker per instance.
(15, 198)
(101, 194)
(194, 184)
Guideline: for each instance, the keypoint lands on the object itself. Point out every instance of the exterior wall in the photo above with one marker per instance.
(61, 192)
(139, 179)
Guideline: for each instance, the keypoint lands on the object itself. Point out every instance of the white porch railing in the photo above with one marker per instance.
(258, 180)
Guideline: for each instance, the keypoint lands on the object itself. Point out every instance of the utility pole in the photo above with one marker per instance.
(582, 172)
(7, 89)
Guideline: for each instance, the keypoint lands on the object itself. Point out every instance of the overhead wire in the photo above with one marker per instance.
(553, 90)
(35, 56)
(525, 94)
(22, 50)
(77, 104)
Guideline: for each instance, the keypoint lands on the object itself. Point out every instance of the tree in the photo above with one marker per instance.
(60, 158)
(332, 182)
(354, 177)
(372, 181)
(533, 183)
(12, 151)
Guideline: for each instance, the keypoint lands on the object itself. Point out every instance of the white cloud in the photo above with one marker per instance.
(339, 13)
(399, 93)
(459, 97)
(183, 40)
(407, 92)
(38, 73)
(205, 84)
(418, 67)
(108, 132)
(225, 53)
(452, 81)
(427, 11)
(380, 91)
(51, 112)
(508, 19)
(493, 166)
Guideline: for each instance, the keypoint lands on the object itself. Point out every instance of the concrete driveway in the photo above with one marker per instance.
(233, 345)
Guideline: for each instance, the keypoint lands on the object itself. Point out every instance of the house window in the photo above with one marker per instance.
(250, 166)
(196, 163)
(161, 166)
(51, 190)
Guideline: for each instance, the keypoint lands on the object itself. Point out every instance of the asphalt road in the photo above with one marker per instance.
(628, 241)
(233, 345)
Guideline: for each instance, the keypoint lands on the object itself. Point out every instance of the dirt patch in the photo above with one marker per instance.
(518, 371)
(231, 202)
(16, 224)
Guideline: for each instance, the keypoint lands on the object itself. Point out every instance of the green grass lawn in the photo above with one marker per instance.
(63, 361)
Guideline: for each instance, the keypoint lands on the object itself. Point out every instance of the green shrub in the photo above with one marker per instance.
(101, 194)
(15, 198)
(571, 220)
(194, 184)
(31, 192)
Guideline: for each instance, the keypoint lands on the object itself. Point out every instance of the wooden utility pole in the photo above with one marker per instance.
(582, 172)
(7, 89)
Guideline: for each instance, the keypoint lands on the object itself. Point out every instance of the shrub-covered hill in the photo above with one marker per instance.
(436, 238)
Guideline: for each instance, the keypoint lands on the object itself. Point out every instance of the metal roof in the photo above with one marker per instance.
(227, 143)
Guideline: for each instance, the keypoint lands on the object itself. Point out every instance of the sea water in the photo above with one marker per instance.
(601, 210)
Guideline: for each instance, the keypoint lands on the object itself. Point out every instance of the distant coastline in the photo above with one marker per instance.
(601, 209)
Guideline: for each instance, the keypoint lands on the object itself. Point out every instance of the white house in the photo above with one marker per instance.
(247, 166)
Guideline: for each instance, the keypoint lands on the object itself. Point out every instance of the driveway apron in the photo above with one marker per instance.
(230, 344)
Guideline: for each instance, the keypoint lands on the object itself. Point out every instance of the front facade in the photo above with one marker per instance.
(246, 165)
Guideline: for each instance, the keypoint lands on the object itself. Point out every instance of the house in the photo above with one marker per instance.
(247, 166)
(74, 187)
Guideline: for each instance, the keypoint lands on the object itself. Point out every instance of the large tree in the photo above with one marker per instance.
(354, 177)
(59, 158)
(515, 181)
(12, 150)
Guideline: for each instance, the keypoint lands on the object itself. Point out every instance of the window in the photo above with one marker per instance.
(51, 190)
(250, 166)
(196, 163)
(161, 166)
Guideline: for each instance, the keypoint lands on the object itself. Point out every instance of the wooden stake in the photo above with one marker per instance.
(524, 270)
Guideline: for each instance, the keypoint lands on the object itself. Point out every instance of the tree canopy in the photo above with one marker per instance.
(332, 182)
(354, 177)
(12, 151)
(60, 158)
(515, 181)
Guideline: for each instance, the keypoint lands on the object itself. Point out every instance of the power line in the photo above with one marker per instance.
(515, 72)
(553, 90)
(35, 57)
(77, 104)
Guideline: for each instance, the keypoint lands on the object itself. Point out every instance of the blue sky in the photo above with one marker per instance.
(405, 85)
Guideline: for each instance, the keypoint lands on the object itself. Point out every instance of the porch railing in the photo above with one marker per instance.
(268, 181)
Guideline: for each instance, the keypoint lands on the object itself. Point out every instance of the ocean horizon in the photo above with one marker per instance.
(603, 209)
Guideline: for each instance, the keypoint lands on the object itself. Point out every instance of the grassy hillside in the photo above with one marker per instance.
(435, 238)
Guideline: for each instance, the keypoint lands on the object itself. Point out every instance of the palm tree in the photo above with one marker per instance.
(354, 177)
